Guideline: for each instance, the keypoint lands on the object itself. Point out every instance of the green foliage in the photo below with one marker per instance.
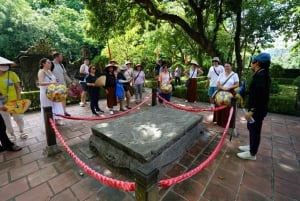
(274, 89)
(282, 104)
(297, 81)
(276, 70)
(285, 81)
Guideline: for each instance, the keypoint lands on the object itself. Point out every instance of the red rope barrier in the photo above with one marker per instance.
(175, 180)
(196, 110)
(130, 186)
(108, 116)
(126, 186)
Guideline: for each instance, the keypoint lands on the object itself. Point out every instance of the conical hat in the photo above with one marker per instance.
(5, 61)
(100, 82)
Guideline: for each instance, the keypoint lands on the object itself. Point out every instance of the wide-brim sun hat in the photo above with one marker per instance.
(4, 61)
(194, 62)
(128, 62)
(138, 65)
(111, 65)
(123, 67)
(113, 61)
(216, 59)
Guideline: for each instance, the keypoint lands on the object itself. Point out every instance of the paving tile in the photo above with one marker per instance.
(227, 178)
(63, 165)
(232, 163)
(288, 170)
(1, 157)
(27, 142)
(257, 183)
(247, 194)
(3, 179)
(48, 161)
(37, 146)
(112, 194)
(218, 192)
(176, 170)
(12, 155)
(202, 177)
(280, 197)
(64, 180)
(86, 187)
(189, 189)
(7, 165)
(14, 188)
(32, 157)
(39, 193)
(172, 197)
(23, 170)
(186, 160)
(65, 195)
(41, 176)
(287, 188)
(74, 141)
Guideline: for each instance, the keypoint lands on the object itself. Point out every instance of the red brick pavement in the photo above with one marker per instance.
(275, 175)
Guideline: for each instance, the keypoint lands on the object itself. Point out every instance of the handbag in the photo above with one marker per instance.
(79, 76)
(187, 83)
(119, 90)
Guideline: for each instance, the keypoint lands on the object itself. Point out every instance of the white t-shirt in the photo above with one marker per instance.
(213, 75)
(193, 73)
(85, 69)
(59, 72)
(233, 79)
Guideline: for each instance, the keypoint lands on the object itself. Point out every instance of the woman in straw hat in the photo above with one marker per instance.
(138, 81)
(193, 73)
(110, 86)
(165, 79)
(126, 84)
(10, 87)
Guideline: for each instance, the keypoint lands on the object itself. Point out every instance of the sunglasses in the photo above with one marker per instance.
(254, 61)
(93, 68)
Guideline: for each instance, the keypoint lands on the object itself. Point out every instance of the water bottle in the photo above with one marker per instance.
(250, 120)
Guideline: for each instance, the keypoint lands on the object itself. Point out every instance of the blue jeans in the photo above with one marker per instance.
(165, 96)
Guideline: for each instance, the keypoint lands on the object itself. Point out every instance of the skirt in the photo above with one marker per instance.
(191, 95)
(111, 98)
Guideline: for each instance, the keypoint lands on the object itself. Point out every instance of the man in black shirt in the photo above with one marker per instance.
(259, 92)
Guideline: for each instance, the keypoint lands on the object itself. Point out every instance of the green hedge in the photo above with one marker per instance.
(284, 81)
(278, 103)
(282, 105)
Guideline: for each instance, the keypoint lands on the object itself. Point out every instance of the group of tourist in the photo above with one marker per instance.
(132, 81)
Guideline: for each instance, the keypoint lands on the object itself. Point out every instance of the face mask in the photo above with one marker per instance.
(4, 68)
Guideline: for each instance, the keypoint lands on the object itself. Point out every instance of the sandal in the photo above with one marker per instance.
(23, 135)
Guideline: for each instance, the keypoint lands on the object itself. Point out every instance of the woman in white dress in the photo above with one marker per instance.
(45, 78)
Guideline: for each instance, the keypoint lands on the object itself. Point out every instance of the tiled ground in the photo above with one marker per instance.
(275, 175)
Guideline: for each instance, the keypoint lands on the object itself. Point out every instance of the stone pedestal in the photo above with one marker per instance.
(153, 137)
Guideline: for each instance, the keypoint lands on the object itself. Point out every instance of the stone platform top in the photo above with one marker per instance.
(146, 133)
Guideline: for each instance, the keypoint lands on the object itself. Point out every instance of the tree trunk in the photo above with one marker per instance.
(237, 41)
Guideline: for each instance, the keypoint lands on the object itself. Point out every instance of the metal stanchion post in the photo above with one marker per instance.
(233, 119)
(154, 96)
(146, 188)
(51, 148)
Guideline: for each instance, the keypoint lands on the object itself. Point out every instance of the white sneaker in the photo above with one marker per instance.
(246, 155)
(244, 148)
(111, 112)
(186, 101)
(81, 104)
